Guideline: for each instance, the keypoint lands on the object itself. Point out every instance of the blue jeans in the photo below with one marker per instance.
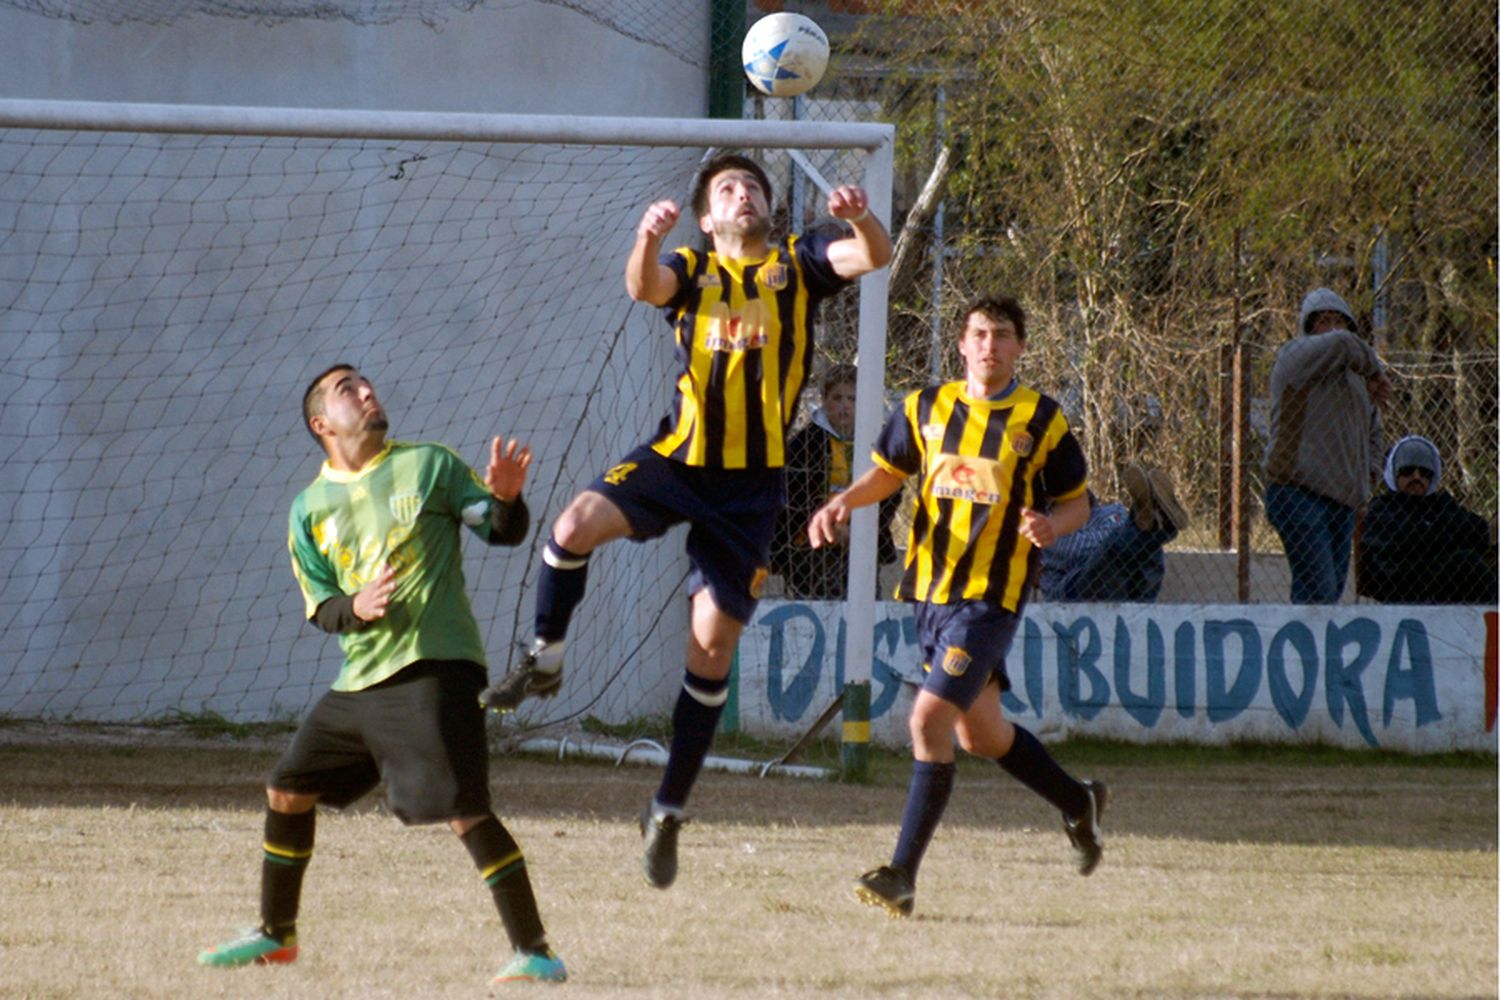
(1315, 532)
(1129, 566)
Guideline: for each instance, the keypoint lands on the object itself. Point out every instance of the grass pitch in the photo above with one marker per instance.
(1226, 874)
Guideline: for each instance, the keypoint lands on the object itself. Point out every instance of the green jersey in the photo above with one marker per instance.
(402, 510)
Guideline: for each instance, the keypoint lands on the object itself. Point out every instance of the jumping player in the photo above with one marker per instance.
(743, 315)
(991, 455)
(375, 548)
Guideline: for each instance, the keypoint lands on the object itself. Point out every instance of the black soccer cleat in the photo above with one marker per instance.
(538, 675)
(889, 888)
(659, 856)
(1084, 832)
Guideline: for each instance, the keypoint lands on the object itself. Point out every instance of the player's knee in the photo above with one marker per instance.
(289, 802)
(711, 661)
(929, 732)
(586, 523)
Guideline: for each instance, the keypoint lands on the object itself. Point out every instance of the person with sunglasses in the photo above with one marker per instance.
(1419, 545)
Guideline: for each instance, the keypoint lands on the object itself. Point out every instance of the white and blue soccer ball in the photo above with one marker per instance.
(785, 54)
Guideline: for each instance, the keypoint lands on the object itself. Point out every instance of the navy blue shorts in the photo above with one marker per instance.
(421, 732)
(731, 515)
(963, 645)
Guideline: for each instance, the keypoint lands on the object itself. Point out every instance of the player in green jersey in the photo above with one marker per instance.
(375, 548)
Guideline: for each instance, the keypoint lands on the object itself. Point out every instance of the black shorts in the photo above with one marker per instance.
(964, 645)
(421, 732)
(731, 512)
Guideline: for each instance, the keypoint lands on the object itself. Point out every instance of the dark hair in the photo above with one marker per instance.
(998, 307)
(839, 375)
(718, 165)
(312, 399)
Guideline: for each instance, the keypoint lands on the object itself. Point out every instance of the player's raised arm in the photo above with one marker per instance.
(870, 246)
(646, 279)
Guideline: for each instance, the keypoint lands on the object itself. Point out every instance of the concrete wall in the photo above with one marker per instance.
(518, 57)
(461, 275)
(1420, 680)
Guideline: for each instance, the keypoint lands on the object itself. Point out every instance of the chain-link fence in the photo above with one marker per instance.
(1161, 186)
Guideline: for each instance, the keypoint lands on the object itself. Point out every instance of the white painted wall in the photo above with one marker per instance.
(1420, 680)
(516, 56)
(120, 599)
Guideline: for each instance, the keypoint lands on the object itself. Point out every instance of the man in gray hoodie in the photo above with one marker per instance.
(1326, 443)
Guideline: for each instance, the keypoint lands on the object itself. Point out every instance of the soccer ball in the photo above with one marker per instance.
(785, 54)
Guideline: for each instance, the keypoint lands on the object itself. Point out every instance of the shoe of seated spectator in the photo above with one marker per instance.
(1137, 486)
(1169, 511)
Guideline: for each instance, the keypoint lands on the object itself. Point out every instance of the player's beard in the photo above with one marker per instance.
(754, 227)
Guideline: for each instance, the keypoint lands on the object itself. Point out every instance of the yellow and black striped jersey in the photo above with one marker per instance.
(981, 461)
(745, 340)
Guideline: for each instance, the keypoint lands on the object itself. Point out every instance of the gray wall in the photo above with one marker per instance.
(521, 57)
(163, 299)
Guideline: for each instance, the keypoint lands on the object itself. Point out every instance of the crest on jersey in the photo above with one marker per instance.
(1021, 443)
(774, 276)
(405, 507)
(932, 432)
(955, 661)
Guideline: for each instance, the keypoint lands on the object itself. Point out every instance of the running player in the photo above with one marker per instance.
(743, 315)
(375, 548)
(991, 455)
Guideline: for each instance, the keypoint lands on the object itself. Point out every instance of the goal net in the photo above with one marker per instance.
(170, 279)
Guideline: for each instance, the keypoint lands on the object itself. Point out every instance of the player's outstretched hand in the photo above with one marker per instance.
(374, 597)
(659, 219)
(506, 474)
(1037, 528)
(828, 525)
(849, 203)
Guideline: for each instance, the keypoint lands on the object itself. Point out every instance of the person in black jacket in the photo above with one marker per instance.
(818, 463)
(1420, 546)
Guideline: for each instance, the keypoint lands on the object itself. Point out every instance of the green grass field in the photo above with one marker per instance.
(1227, 873)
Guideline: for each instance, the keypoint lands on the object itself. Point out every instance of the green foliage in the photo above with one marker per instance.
(1140, 172)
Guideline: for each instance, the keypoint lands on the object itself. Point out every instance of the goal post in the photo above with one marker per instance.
(170, 277)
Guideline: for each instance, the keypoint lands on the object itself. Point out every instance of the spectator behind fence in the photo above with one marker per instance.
(818, 464)
(1326, 443)
(1419, 545)
(1117, 555)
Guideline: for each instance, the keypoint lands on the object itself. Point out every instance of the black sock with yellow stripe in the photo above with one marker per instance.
(503, 868)
(288, 849)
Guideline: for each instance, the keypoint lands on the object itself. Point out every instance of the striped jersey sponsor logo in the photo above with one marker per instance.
(744, 340)
(979, 461)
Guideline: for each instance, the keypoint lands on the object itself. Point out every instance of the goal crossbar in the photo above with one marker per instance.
(344, 123)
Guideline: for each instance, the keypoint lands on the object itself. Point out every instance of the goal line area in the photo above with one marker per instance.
(173, 275)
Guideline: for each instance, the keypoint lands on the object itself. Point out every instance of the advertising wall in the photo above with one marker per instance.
(1420, 680)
